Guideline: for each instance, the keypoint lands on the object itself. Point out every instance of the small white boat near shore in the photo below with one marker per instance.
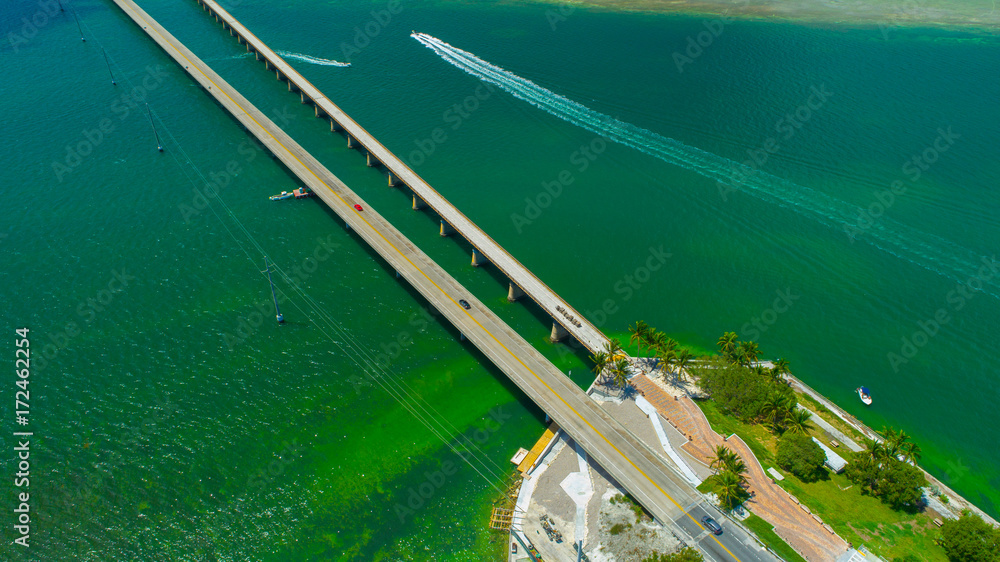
(865, 395)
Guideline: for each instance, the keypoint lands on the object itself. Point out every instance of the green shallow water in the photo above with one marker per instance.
(174, 420)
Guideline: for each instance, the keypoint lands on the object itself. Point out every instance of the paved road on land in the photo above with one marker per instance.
(736, 540)
(630, 462)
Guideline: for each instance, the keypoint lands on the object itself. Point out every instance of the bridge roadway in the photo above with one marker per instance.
(587, 334)
(633, 464)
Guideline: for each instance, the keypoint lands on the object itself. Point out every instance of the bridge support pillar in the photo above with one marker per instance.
(514, 293)
(316, 106)
(290, 86)
(418, 203)
(477, 258)
(333, 125)
(558, 332)
(350, 142)
(446, 228)
(256, 55)
(302, 96)
(393, 180)
(371, 161)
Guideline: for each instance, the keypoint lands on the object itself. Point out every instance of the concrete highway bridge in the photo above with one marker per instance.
(641, 471)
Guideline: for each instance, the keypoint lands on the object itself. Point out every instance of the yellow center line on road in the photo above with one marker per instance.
(156, 25)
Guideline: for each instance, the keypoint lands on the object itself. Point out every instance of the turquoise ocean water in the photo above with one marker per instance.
(173, 419)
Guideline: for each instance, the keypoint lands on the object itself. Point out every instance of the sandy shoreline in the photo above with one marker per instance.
(976, 15)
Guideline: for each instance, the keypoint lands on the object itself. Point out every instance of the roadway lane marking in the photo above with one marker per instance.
(155, 25)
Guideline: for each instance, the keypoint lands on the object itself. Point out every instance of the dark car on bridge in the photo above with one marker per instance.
(464, 304)
(711, 525)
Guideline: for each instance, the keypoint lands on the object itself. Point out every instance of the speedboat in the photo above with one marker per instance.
(865, 395)
(282, 195)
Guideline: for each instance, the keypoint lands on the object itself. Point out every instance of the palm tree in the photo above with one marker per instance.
(729, 488)
(876, 450)
(684, 357)
(893, 440)
(600, 360)
(898, 443)
(911, 451)
(780, 367)
(737, 466)
(773, 410)
(797, 421)
(670, 344)
(727, 345)
(638, 337)
(747, 353)
(666, 359)
(619, 371)
(721, 458)
(657, 340)
(613, 348)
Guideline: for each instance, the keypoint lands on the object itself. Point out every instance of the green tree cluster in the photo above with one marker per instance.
(745, 393)
(884, 470)
(970, 539)
(749, 391)
(730, 482)
(686, 554)
(800, 455)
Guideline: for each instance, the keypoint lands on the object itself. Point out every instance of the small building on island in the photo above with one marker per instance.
(834, 461)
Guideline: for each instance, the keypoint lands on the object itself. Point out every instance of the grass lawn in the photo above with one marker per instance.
(765, 532)
(758, 438)
(865, 520)
(857, 518)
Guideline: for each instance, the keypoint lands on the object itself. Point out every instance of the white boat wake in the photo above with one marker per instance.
(928, 251)
(312, 60)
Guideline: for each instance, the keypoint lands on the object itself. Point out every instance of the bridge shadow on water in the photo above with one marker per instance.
(418, 298)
